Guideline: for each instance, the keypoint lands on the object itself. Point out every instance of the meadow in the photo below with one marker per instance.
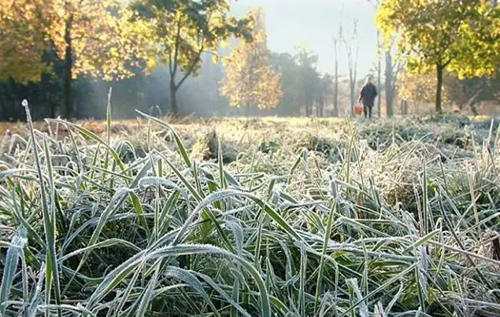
(251, 217)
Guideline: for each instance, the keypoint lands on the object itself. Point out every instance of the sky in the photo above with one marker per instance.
(314, 23)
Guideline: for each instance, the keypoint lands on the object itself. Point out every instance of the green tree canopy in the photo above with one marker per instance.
(285, 63)
(301, 82)
(458, 35)
(309, 78)
(181, 31)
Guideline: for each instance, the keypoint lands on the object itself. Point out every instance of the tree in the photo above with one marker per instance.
(467, 92)
(446, 34)
(250, 79)
(302, 85)
(389, 88)
(290, 84)
(351, 46)
(379, 75)
(308, 77)
(325, 90)
(379, 63)
(90, 36)
(392, 70)
(181, 31)
(419, 89)
(336, 45)
(21, 44)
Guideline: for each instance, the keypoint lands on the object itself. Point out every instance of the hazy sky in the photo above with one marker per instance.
(315, 22)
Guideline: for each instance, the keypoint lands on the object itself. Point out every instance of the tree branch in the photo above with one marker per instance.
(471, 100)
(191, 67)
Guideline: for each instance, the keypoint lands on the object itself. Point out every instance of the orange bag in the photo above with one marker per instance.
(358, 109)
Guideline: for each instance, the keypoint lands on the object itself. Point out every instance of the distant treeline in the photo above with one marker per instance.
(147, 93)
(164, 56)
(199, 96)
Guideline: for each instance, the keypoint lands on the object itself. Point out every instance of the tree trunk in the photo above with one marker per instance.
(379, 80)
(52, 108)
(473, 108)
(404, 107)
(389, 91)
(68, 68)
(439, 88)
(173, 97)
(321, 106)
(379, 84)
(336, 90)
(308, 108)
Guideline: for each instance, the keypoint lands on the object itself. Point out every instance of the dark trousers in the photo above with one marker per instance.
(367, 110)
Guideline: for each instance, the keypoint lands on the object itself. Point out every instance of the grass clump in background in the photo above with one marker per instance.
(341, 220)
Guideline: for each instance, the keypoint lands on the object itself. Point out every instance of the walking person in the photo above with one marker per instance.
(367, 96)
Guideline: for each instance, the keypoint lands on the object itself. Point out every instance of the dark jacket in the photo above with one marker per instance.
(368, 94)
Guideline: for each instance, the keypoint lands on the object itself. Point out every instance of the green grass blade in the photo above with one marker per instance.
(178, 141)
(48, 220)
(14, 253)
(89, 134)
(328, 233)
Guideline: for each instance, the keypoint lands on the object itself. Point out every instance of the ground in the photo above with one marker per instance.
(297, 216)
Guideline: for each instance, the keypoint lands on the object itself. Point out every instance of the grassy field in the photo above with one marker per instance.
(259, 217)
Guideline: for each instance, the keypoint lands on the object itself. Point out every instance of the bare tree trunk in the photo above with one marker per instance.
(336, 80)
(308, 107)
(439, 88)
(320, 107)
(352, 49)
(389, 87)
(379, 79)
(336, 91)
(404, 107)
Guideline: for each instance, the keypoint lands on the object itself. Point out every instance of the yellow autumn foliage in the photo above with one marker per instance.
(101, 37)
(250, 79)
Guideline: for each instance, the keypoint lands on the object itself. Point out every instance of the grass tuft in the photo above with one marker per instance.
(286, 217)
